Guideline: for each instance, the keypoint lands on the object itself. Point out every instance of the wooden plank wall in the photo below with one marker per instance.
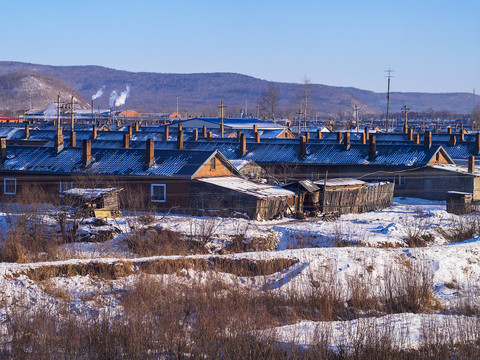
(357, 200)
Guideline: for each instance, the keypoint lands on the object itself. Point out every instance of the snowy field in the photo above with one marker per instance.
(367, 251)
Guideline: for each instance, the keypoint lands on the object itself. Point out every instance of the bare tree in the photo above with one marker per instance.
(304, 95)
(269, 100)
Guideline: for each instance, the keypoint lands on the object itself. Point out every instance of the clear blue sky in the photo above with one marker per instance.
(432, 45)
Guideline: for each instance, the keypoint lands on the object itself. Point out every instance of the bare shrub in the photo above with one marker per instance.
(408, 287)
(463, 229)
(416, 228)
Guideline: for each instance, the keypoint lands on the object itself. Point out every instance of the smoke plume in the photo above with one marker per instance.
(123, 96)
(113, 98)
(98, 93)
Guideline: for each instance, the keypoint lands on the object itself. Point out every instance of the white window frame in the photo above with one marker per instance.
(5, 180)
(399, 180)
(64, 188)
(164, 192)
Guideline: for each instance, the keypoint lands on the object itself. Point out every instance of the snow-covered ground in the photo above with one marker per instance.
(321, 247)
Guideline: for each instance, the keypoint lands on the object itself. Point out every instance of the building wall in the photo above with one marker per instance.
(219, 170)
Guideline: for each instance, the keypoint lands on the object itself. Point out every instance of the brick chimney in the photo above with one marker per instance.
(410, 134)
(471, 164)
(149, 153)
(367, 132)
(257, 137)
(339, 137)
(449, 130)
(363, 139)
(130, 132)
(427, 140)
(372, 147)
(180, 128)
(27, 130)
(137, 126)
(73, 139)
(166, 133)
(319, 134)
(243, 145)
(346, 141)
(255, 128)
(209, 136)
(87, 153)
(195, 135)
(58, 141)
(126, 141)
(204, 131)
(453, 140)
(180, 140)
(307, 137)
(119, 123)
(3, 148)
(462, 135)
(94, 132)
(477, 144)
(405, 129)
(416, 139)
(303, 146)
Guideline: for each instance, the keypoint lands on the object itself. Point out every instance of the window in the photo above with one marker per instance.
(10, 186)
(399, 180)
(65, 185)
(158, 192)
(212, 164)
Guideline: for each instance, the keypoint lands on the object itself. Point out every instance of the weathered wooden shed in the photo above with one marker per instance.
(91, 200)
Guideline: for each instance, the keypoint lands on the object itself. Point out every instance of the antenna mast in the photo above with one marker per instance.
(389, 71)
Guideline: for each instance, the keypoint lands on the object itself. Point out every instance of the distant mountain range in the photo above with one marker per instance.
(200, 94)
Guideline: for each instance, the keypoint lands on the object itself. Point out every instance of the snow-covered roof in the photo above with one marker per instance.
(261, 191)
(341, 182)
(88, 194)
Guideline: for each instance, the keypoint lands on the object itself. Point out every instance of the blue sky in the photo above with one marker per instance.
(432, 46)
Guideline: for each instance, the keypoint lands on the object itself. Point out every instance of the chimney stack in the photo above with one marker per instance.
(367, 132)
(126, 141)
(363, 139)
(130, 132)
(243, 145)
(405, 128)
(477, 144)
(180, 140)
(453, 140)
(410, 134)
(87, 153)
(137, 127)
(209, 136)
(3, 147)
(255, 128)
(372, 147)
(180, 128)
(307, 137)
(319, 134)
(94, 132)
(257, 137)
(462, 135)
(427, 140)
(339, 137)
(303, 146)
(195, 134)
(449, 130)
(416, 139)
(346, 141)
(471, 164)
(73, 139)
(149, 153)
(58, 141)
(27, 130)
(166, 132)
(204, 131)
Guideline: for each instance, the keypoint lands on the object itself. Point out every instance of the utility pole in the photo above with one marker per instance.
(58, 114)
(389, 71)
(221, 107)
(405, 110)
(177, 104)
(72, 106)
(355, 108)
